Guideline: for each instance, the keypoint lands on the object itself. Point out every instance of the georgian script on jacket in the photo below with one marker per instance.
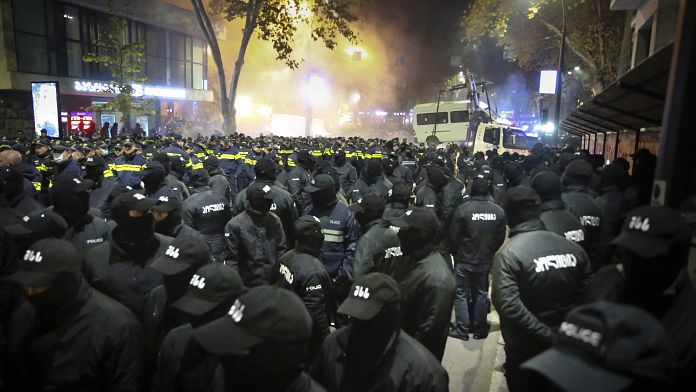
(575, 235)
(483, 216)
(287, 274)
(392, 252)
(213, 208)
(546, 263)
(589, 220)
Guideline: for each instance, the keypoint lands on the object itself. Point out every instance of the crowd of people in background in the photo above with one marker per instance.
(164, 263)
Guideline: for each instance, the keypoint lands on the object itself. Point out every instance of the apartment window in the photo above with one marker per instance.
(31, 36)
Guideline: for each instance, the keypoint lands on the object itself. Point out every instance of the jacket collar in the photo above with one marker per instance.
(480, 198)
(557, 204)
(530, 225)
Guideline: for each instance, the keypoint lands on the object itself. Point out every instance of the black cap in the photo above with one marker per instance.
(264, 313)
(182, 254)
(153, 167)
(95, 161)
(168, 204)
(653, 231)
(211, 285)
(579, 169)
(480, 187)
(548, 185)
(265, 168)
(44, 222)
(44, 260)
(321, 182)
(69, 182)
(522, 203)
(200, 177)
(369, 294)
(307, 225)
(60, 145)
(604, 347)
(417, 218)
(259, 191)
(370, 203)
(132, 200)
(401, 191)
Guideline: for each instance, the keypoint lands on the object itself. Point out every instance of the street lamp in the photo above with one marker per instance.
(316, 94)
(559, 73)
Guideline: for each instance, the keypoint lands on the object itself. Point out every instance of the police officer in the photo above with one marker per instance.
(207, 212)
(476, 232)
(171, 179)
(219, 182)
(553, 213)
(371, 180)
(118, 267)
(129, 165)
(538, 276)
(401, 196)
(168, 216)
(372, 353)
(347, 173)
(70, 199)
(102, 179)
(63, 335)
(13, 190)
(338, 224)
(426, 282)
(301, 271)
(580, 203)
(378, 247)
(211, 291)
(283, 204)
(153, 179)
(261, 342)
(255, 238)
(299, 178)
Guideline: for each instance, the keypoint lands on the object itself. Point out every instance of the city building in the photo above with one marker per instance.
(45, 40)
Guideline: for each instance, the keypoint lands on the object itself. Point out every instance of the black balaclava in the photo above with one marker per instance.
(13, 183)
(163, 159)
(53, 303)
(133, 230)
(388, 166)
(259, 202)
(200, 178)
(153, 177)
(522, 204)
(480, 187)
(372, 172)
(305, 160)
(368, 216)
(340, 159)
(436, 178)
(167, 225)
(323, 198)
(94, 173)
(367, 342)
(269, 366)
(72, 206)
(415, 241)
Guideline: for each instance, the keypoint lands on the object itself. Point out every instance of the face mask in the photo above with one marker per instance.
(412, 240)
(340, 161)
(104, 152)
(323, 197)
(153, 181)
(58, 157)
(176, 285)
(59, 296)
(166, 226)
(135, 230)
(260, 205)
(72, 206)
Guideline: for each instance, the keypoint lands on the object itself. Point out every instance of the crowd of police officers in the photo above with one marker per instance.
(306, 264)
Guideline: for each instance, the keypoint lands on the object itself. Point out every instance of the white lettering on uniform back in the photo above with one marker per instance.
(213, 208)
(575, 235)
(483, 216)
(285, 271)
(546, 263)
(392, 252)
(587, 220)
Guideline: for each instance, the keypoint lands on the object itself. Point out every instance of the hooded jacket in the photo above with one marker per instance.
(283, 206)
(208, 212)
(376, 251)
(111, 270)
(254, 242)
(404, 365)
(95, 346)
(304, 274)
(427, 296)
(538, 276)
(476, 232)
(298, 179)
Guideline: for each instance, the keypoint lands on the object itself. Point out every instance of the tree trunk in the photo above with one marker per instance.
(249, 26)
(207, 27)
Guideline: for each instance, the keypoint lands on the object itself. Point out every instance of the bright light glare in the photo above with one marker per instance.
(577, 68)
(244, 106)
(352, 50)
(380, 113)
(317, 90)
(503, 121)
(548, 127)
(355, 98)
(265, 111)
(302, 13)
(547, 82)
(483, 105)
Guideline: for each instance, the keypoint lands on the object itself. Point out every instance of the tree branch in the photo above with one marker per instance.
(570, 44)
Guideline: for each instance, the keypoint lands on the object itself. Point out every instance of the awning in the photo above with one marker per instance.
(634, 101)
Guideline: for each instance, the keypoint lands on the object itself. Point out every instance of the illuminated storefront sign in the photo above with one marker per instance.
(85, 86)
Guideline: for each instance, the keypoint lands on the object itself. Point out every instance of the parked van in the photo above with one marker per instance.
(452, 121)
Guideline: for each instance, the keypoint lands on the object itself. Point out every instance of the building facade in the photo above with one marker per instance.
(45, 40)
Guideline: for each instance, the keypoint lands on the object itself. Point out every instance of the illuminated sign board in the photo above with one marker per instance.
(46, 113)
(85, 86)
(81, 123)
(547, 82)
